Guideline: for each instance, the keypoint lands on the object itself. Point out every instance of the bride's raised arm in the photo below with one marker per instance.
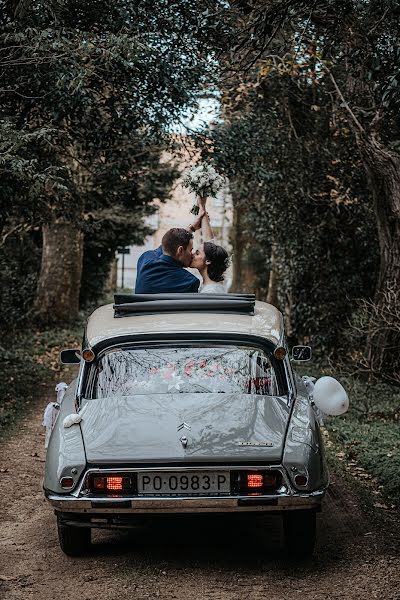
(206, 229)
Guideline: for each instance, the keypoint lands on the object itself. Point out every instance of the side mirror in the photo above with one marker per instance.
(301, 353)
(330, 396)
(70, 357)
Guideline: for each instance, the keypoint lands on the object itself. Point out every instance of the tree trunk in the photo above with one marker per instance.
(111, 283)
(57, 298)
(383, 170)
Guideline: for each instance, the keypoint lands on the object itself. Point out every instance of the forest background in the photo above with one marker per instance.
(309, 137)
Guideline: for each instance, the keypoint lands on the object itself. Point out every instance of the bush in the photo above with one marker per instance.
(19, 270)
(370, 434)
(28, 365)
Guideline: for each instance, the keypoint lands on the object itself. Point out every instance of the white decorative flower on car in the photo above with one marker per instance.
(175, 382)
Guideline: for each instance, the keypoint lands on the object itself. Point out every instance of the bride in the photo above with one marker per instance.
(210, 259)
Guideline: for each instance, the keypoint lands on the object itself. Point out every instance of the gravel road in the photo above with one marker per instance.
(357, 554)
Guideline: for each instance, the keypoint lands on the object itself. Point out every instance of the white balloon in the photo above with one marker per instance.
(330, 396)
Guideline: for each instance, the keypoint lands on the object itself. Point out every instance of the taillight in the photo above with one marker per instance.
(117, 483)
(112, 483)
(257, 482)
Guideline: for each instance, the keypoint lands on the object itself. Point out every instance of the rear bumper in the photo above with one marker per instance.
(153, 506)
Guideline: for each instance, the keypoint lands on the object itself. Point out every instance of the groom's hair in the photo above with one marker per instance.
(174, 238)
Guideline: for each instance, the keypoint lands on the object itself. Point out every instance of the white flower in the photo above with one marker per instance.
(175, 382)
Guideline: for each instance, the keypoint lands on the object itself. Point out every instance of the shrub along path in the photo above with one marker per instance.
(367, 438)
(356, 555)
(29, 359)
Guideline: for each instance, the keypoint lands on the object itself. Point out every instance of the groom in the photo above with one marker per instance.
(163, 270)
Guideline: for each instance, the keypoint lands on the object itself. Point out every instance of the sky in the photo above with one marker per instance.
(208, 110)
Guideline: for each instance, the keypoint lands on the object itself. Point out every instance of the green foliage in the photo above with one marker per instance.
(22, 379)
(25, 179)
(19, 268)
(357, 41)
(98, 90)
(320, 82)
(369, 432)
(114, 229)
(28, 365)
(89, 91)
(313, 205)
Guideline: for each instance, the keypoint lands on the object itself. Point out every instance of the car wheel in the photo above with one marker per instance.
(299, 528)
(74, 541)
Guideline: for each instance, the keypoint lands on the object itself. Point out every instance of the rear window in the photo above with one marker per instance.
(183, 370)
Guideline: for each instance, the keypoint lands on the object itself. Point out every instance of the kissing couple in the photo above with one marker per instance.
(164, 270)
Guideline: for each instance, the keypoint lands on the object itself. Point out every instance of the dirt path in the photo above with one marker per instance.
(356, 557)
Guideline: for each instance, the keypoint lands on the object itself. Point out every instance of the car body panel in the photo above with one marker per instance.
(266, 323)
(145, 428)
(304, 452)
(66, 450)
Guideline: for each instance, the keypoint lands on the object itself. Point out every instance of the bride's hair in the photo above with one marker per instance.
(219, 261)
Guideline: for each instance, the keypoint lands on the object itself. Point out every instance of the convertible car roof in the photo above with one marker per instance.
(139, 304)
(266, 322)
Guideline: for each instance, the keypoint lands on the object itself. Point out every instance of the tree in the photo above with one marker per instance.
(298, 182)
(106, 80)
(350, 48)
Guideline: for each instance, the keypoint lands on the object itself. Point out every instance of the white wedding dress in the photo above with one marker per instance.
(213, 288)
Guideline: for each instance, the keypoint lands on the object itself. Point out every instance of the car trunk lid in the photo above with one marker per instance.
(220, 428)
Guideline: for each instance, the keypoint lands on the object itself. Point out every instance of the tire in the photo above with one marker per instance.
(299, 527)
(74, 541)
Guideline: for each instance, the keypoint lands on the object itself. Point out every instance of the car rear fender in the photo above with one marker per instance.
(304, 452)
(66, 452)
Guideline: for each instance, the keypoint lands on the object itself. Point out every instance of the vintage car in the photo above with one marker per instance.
(187, 403)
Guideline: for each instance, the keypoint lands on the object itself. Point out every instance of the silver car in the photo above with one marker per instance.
(185, 404)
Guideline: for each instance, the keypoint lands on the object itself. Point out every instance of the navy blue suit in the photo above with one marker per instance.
(158, 273)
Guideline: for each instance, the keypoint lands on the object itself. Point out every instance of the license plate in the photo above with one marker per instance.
(184, 484)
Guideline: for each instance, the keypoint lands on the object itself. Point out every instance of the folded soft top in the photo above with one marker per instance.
(138, 304)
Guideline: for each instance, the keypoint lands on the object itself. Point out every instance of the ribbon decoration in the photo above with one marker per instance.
(52, 410)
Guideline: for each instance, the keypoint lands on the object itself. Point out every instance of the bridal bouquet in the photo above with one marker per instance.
(203, 181)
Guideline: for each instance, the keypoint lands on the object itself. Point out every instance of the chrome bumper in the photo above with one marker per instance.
(152, 506)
